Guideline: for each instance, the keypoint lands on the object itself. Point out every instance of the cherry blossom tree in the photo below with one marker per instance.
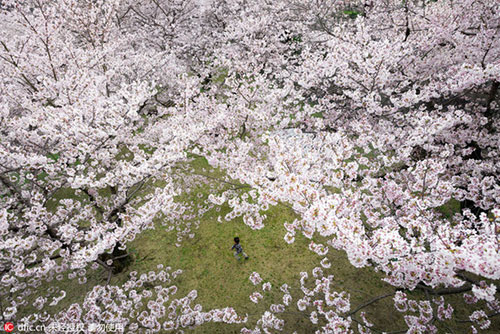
(366, 118)
(394, 114)
(78, 121)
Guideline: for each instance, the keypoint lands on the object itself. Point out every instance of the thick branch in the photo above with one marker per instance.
(489, 111)
(446, 291)
(371, 301)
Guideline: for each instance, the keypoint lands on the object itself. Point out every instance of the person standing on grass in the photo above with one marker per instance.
(238, 249)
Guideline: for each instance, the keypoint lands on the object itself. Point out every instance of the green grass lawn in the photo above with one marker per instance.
(210, 268)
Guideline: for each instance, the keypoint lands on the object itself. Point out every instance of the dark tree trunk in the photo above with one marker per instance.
(121, 259)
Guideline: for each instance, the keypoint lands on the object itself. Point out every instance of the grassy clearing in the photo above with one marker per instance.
(210, 268)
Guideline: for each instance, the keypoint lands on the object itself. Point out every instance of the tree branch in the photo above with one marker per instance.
(371, 301)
